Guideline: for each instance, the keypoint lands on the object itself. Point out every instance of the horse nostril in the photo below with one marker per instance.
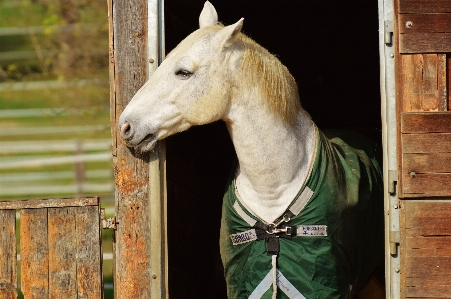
(126, 130)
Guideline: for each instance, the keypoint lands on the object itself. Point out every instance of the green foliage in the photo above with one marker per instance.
(69, 40)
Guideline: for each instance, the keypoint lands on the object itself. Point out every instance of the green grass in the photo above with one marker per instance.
(21, 14)
(15, 43)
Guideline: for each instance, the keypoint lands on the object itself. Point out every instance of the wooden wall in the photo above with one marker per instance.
(425, 249)
(424, 146)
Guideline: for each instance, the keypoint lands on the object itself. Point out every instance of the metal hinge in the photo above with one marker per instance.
(394, 238)
(388, 32)
(392, 179)
(107, 223)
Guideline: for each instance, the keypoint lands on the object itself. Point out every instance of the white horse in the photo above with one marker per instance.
(219, 73)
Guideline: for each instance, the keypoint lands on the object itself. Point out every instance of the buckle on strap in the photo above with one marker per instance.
(274, 228)
(286, 230)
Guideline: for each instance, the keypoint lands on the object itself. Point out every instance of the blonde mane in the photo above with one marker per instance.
(277, 86)
(260, 68)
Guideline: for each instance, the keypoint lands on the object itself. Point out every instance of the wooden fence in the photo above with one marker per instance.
(27, 154)
(60, 248)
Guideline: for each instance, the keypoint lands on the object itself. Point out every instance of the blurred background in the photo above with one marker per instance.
(55, 139)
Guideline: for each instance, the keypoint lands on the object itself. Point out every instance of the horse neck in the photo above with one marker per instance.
(274, 157)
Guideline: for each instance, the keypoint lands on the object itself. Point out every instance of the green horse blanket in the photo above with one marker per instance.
(328, 242)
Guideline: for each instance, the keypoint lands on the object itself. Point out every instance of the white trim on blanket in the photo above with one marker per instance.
(282, 283)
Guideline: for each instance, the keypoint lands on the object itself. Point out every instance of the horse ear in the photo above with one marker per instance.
(208, 16)
(226, 35)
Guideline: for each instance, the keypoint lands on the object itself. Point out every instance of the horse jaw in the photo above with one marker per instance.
(147, 144)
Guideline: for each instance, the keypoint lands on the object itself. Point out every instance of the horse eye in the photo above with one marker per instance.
(183, 74)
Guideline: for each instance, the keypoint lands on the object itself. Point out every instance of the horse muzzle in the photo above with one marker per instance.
(132, 139)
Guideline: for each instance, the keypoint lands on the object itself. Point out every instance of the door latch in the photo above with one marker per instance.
(107, 223)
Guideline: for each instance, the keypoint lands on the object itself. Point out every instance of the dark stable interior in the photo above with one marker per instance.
(330, 47)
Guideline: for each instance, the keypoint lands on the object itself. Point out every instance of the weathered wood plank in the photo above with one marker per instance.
(426, 154)
(49, 203)
(412, 76)
(426, 143)
(427, 185)
(62, 253)
(133, 277)
(424, 6)
(8, 255)
(442, 84)
(430, 87)
(425, 42)
(448, 73)
(426, 287)
(112, 74)
(429, 209)
(129, 69)
(425, 122)
(427, 266)
(402, 245)
(426, 227)
(433, 246)
(423, 82)
(34, 253)
(426, 163)
(425, 241)
(413, 23)
(88, 256)
(426, 218)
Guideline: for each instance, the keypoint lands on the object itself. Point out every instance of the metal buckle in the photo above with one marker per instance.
(273, 228)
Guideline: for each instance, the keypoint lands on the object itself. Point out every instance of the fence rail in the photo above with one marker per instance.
(27, 177)
(52, 84)
(18, 158)
(61, 189)
(8, 147)
(32, 162)
(36, 112)
(8, 31)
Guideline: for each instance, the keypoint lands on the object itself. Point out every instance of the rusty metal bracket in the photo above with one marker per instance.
(107, 223)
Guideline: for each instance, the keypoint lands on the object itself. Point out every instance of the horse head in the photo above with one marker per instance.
(192, 86)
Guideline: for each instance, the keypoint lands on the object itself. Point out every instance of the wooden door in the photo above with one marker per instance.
(60, 249)
(423, 48)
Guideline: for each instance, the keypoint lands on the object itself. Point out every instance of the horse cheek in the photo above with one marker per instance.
(217, 101)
